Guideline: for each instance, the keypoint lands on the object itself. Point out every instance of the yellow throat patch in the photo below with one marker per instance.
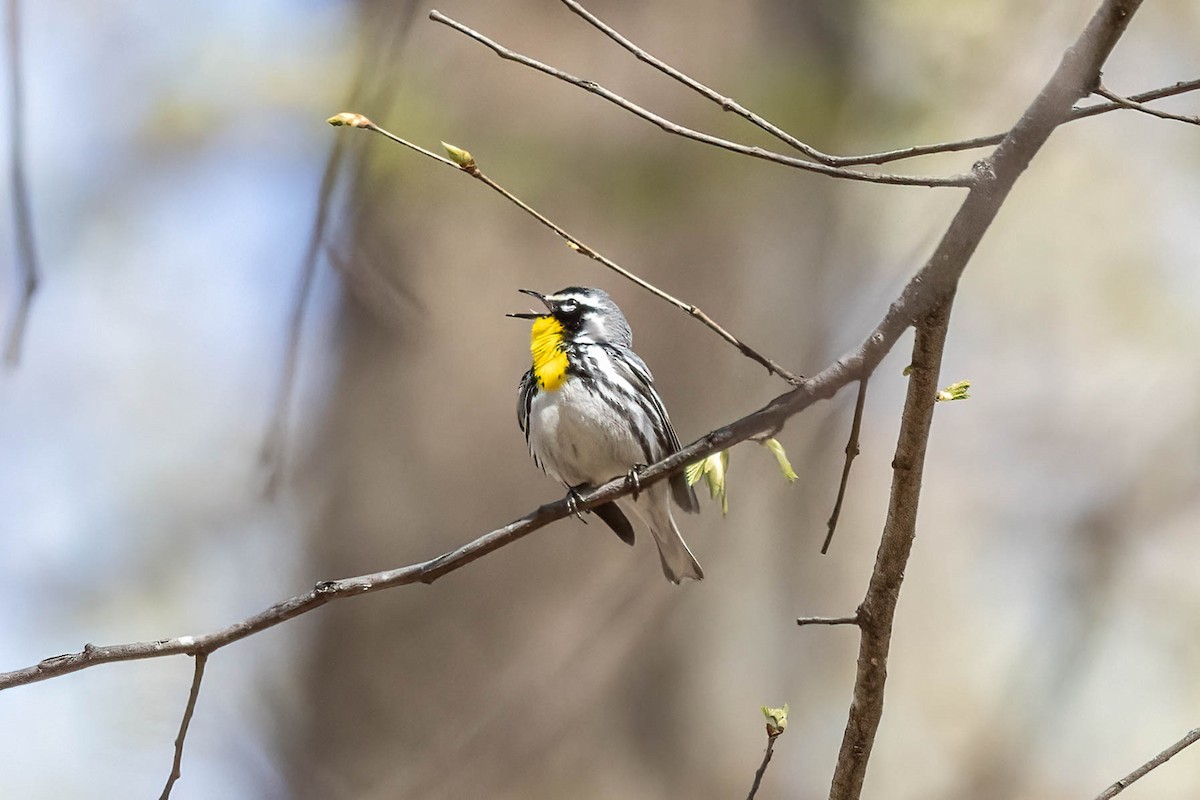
(549, 355)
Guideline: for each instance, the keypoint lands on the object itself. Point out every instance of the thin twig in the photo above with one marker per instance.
(1182, 87)
(272, 453)
(176, 766)
(963, 180)
(1075, 76)
(470, 167)
(758, 775)
(1145, 109)
(851, 453)
(726, 103)
(1112, 791)
(28, 272)
(802, 621)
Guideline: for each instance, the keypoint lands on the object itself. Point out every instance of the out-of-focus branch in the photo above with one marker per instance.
(272, 453)
(466, 163)
(964, 180)
(851, 454)
(193, 695)
(1191, 738)
(1130, 103)
(28, 272)
(1074, 78)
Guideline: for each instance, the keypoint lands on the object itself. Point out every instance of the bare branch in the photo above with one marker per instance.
(177, 764)
(28, 272)
(727, 103)
(1182, 87)
(964, 180)
(922, 293)
(762, 768)
(877, 611)
(851, 453)
(1112, 791)
(803, 621)
(1136, 106)
(1074, 77)
(470, 167)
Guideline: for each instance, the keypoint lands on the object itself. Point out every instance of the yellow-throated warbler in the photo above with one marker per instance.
(590, 413)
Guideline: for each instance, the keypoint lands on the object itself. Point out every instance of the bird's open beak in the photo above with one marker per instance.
(531, 314)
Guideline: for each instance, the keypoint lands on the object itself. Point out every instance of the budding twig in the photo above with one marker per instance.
(465, 162)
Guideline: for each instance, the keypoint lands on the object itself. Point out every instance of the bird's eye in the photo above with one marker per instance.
(568, 308)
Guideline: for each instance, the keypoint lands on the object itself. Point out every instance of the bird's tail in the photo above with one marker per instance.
(653, 508)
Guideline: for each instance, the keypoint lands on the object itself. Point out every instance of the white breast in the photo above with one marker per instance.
(578, 438)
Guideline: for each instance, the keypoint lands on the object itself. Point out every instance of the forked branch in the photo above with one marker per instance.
(964, 180)
(1076, 75)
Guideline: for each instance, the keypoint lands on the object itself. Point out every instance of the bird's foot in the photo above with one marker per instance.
(633, 478)
(574, 497)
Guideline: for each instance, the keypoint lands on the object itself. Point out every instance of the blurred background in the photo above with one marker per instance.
(1046, 640)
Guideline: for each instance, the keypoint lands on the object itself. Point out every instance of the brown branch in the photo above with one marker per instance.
(921, 294)
(1136, 106)
(28, 272)
(877, 611)
(1112, 791)
(1182, 87)
(802, 621)
(667, 125)
(1074, 78)
(851, 454)
(726, 103)
(177, 764)
(729, 104)
(468, 165)
(762, 768)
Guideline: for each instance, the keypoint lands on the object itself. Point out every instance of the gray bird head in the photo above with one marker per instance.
(588, 316)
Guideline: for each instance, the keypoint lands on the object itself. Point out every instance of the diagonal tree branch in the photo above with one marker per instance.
(762, 768)
(28, 271)
(921, 295)
(851, 453)
(1074, 78)
(727, 103)
(964, 180)
(1130, 103)
(193, 695)
(1188, 740)
(929, 290)
(1182, 87)
(466, 163)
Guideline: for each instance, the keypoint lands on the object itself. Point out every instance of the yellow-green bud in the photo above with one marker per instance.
(459, 156)
(776, 719)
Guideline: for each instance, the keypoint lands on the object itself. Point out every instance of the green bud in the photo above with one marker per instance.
(776, 719)
(348, 118)
(955, 391)
(459, 156)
